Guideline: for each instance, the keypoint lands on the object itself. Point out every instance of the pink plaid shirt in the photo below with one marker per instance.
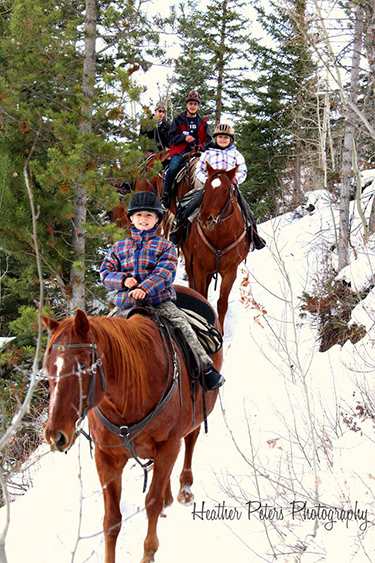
(221, 159)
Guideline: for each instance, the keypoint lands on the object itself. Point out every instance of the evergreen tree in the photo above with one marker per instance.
(86, 136)
(214, 44)
(279, 130)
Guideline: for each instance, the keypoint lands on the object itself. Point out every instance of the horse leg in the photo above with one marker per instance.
(225, 288)
(168, 497)
(185, 496)
(110, 471)
(200, 279)
(163, 465)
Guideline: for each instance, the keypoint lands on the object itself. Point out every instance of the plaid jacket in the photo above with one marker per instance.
(151, 259)
(225, 159)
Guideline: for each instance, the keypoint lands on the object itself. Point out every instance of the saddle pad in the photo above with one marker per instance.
(201, 318)
(188, 204)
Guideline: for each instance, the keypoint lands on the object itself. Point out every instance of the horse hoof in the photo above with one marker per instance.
(185, 496)
(168, 501)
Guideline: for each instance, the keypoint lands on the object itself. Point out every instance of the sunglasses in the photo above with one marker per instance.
(161, 110)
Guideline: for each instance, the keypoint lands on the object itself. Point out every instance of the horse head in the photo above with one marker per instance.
(75, 375)
(218, 196)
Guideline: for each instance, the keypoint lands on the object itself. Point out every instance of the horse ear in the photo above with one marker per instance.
(232, 172)
(81, 323)
(49, 323)
(209, 168)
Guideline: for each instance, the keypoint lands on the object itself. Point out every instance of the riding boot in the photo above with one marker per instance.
(175, 235)
(251, 226)
(254, 237)
(212, 378)
(166, 200)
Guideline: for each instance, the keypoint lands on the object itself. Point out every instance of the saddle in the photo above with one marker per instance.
(187, 208)
(199, 314)
(187, 170)
(201, 318)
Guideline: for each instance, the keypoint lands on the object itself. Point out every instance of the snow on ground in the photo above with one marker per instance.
(283, 476)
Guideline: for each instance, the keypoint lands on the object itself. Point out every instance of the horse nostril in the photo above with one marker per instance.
(60, 440)
(210, 219)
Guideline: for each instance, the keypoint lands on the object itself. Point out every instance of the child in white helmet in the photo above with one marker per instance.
(221, 155)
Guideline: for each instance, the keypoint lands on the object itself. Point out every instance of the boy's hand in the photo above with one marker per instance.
(130, 283)
(137, 293)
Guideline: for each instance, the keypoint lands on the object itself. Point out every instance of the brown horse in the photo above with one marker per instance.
(123, 372)
(217, 240)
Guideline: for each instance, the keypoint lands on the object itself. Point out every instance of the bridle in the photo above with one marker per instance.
(95, 366)
(227, 205)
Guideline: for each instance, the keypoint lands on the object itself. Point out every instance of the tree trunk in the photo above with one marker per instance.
(77, 273)
(350, 122)
(220, 66)
(369, 45)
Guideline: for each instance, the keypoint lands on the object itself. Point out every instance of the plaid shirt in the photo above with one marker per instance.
(226, 159)
(151, 259)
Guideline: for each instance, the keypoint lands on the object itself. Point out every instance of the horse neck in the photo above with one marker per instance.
(124, 346)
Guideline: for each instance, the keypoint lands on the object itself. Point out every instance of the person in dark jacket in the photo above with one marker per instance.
(143, 266)
(157, 127)
(189, 132)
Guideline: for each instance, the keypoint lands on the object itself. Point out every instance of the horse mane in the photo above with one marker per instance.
(123, 342)
(128, 341)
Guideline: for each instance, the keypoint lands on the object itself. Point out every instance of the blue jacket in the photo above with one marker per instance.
(151, 259)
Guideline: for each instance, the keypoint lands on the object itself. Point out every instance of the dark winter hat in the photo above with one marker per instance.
(224, 129)
(193, 96)
(145, 201)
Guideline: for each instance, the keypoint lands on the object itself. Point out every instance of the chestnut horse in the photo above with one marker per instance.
(217, 240)
(123, 372)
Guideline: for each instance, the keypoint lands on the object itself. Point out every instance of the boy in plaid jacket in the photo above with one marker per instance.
(144, 266)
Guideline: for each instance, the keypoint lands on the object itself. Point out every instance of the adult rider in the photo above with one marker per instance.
(188, 132)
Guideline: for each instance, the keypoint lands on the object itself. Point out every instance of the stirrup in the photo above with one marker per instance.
(212, 379)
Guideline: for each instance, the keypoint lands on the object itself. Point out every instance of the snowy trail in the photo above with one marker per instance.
(279, 392)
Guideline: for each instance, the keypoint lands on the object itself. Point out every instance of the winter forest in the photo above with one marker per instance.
(295, 79)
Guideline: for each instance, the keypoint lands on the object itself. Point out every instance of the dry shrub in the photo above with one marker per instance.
(331, 306)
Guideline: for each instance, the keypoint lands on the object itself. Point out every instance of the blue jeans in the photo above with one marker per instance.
(174, 166)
